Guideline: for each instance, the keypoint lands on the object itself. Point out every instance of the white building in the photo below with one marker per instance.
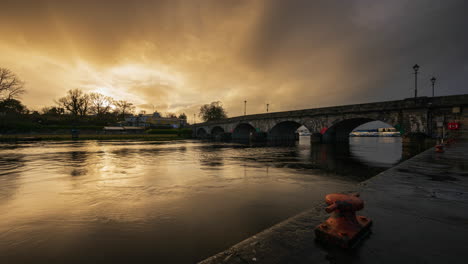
(155, 120)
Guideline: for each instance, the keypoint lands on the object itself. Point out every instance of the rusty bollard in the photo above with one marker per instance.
(343, 228)
(439, 148)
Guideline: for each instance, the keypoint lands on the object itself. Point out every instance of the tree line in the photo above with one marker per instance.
(79, 104)
(74, 109)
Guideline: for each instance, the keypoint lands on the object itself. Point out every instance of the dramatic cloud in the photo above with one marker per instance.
(176, 55)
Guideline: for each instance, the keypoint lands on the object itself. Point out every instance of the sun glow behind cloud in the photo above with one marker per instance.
(123, 82)
(139, 83)
(177, 55)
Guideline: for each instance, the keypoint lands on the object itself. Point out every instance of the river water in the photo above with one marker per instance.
(164, 202)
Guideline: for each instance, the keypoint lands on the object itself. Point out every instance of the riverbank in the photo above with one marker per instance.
(419, 209)
(149, 137)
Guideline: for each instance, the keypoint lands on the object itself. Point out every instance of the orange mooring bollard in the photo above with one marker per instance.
(439, 148)
(343, 228)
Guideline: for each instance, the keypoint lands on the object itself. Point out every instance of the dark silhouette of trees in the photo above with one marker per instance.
(213, 111)
(75, 109)
(75, 102)
(124, 108)
(171, 115)
(12, 106)
(53, 111)
(183, 116)
(10, 85)
(99, 104)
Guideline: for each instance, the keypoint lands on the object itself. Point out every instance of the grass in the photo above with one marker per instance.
(149, 137)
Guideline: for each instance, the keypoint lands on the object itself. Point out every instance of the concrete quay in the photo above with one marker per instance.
(419, 210)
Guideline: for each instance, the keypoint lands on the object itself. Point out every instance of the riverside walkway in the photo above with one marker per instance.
(419, 210)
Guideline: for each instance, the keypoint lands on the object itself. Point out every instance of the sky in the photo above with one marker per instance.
(174, 56)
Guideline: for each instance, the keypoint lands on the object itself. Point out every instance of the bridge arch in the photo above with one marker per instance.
(340, 130)
(201, 133)
(284, 131)
(243, 131)
(217, 132)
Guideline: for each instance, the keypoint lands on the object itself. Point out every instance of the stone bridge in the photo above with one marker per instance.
(413, 116)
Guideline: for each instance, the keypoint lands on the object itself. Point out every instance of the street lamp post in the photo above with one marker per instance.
(416, 68)
(245, 107)
(433, 80)
(267, 107)
(194, 118)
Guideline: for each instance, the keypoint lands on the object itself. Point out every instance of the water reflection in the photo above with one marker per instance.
(376, 151)
(11, 167)
(173, 202)
(366, 155)
(211, 161)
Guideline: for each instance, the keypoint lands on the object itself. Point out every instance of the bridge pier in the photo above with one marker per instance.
(258, 137)
(413, 143)
(316, 138)
(334, 138)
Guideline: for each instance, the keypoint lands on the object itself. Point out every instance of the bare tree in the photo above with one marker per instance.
(76, 102)
(84, 109)
(99, 104)
(124, 107)
(10, 85)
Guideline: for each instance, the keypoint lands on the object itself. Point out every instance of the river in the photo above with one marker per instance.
(164, 202)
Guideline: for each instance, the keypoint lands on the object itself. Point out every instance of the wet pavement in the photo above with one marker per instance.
(419, 210)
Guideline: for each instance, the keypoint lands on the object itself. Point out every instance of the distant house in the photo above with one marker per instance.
(378, 132)
(154, 120)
